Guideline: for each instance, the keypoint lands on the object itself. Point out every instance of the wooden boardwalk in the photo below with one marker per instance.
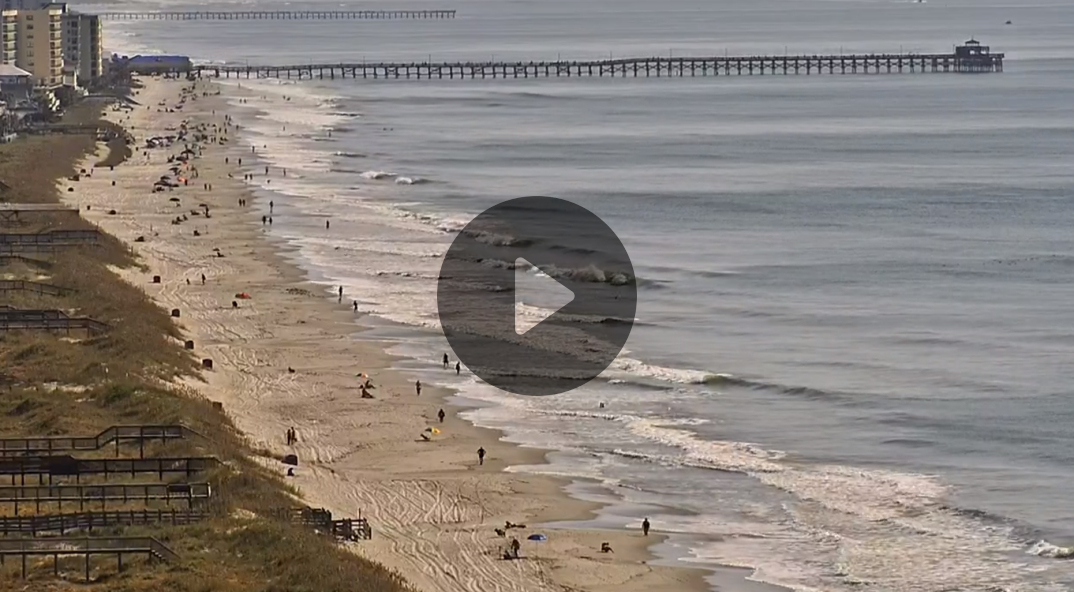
(34, 287)
(279, 15)
(45, 242)
(347, 529)
(51, 237)
(9, 259)
(48, 445)
(85, 546)
(61, 523)
(69, 466)
(650, 67)
(12, 319)
(83, 495)
(11, 214)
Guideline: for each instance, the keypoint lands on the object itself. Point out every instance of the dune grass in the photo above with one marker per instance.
(58, 385)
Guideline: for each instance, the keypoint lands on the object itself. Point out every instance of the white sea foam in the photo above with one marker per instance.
(377, 175)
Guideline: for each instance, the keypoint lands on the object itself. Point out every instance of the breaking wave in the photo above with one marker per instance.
(1043, 548)
(496, 239)
(588, 274)
(377, 175)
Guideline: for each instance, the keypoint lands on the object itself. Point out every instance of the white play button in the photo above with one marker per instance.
(537, 296)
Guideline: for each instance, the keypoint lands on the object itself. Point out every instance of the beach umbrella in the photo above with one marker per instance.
(537, 538)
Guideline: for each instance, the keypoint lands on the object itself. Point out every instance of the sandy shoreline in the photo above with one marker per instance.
(432, 507)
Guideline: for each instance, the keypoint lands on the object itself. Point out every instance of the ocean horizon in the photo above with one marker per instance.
(848, 368)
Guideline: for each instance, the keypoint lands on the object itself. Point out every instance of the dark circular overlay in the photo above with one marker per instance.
(544, 240)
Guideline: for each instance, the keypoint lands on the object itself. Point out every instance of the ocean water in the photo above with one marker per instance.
(850, 369)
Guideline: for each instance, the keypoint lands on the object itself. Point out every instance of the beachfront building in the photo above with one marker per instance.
(82, 55)
(39, 44)
(16, 88)
(9, 27)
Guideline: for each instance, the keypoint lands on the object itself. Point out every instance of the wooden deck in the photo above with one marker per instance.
(348, 529)
(139, 434)
(100, 495)
(85, 546)
(11, 214)
(13, 319)
(52, 237)
(46, 242)
(62, 523)
(21, 467)
(33, 287)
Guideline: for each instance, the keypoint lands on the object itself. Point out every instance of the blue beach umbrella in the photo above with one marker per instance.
(537, 538)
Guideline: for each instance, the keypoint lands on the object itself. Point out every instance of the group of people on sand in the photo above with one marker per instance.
(292, 436)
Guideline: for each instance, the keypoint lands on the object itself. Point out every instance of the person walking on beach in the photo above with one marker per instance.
(441, 415)
(417, 387)
(203, 279)
(645, 527)
(481, 455)
(445, 361)
(458, 368)
(271, 204)
(327, 224)
(341, 294)
(355, 306)
(515, 547)
(264, 219)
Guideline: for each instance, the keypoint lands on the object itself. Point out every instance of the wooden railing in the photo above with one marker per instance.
(349, 529)
(36, 495)
(113, 435)
(35, 287)
(12, 319)
(61, 523)
(69, 466)
(65, 237)
(86, 547)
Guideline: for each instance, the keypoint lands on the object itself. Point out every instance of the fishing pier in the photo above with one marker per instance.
(968, 58)
(279, 15)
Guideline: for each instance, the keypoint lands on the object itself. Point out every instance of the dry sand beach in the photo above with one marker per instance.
(432, 507)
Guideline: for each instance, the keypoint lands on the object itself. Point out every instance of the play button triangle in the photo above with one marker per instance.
(537, 296)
